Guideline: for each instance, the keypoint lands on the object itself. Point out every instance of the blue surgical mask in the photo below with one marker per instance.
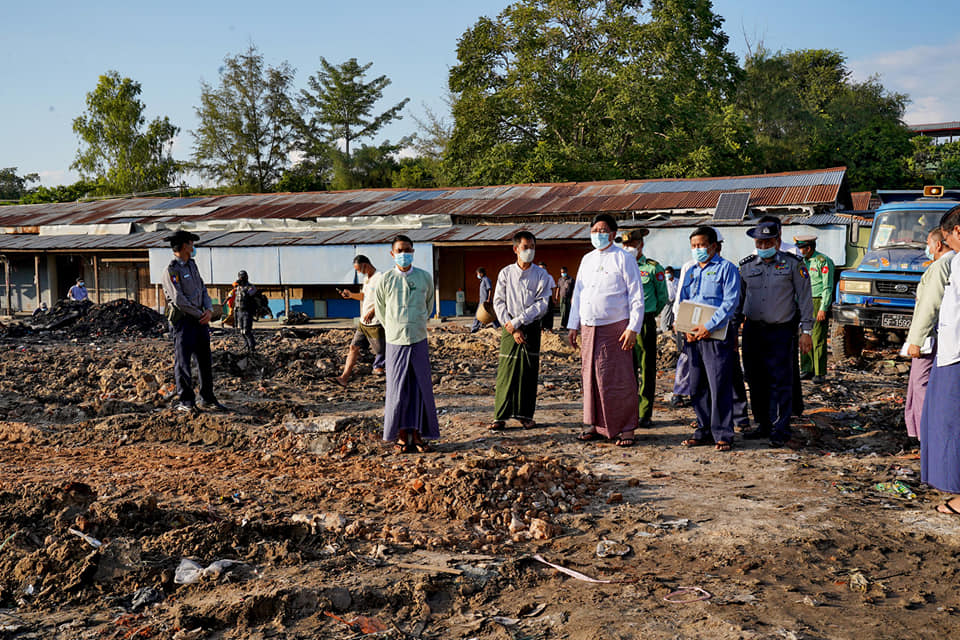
(766, 253)
(599, 240)
(193, 253)
(700, 254)
(403, 260)
(926, 252)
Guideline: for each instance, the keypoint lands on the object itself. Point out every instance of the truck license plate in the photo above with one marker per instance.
(895, 321)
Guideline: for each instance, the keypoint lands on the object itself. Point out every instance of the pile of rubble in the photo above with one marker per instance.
(114, 318)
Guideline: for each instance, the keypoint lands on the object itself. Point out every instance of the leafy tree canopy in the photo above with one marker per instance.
(13, 186)
(116, 151)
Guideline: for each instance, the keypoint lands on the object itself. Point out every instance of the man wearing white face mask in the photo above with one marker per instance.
(520, 302)
(608, 303)
(403, 301)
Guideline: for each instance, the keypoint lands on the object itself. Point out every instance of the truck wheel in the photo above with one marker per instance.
(846, 341)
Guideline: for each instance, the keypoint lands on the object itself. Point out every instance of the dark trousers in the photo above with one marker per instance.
(645, 363)
(245, 326)
(477, 325)
(564, 313)
(797, 393)
(190, 338)
(767, 356)
(740, 417)
(546, 322)
(711, 386)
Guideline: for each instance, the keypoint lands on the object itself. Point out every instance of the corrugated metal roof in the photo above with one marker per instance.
(801, 188)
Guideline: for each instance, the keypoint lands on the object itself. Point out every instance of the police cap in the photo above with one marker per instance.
(764, 230)
(634, 235)
(805, 241)
(180, 236)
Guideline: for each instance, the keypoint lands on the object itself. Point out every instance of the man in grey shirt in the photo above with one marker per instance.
(774, 287)
(189, 309)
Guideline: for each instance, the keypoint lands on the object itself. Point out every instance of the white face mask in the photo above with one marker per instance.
(631, 250)
(526, 255)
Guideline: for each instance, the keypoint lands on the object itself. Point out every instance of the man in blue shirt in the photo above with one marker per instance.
(486, 295)
(714, 281)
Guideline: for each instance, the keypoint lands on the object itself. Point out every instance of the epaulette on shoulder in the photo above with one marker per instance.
(747, 259)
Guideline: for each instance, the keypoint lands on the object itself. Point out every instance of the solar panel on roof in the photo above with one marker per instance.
(731, 207)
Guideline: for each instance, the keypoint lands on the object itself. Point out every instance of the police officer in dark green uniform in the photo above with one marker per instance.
(655, 298)
(821, 270)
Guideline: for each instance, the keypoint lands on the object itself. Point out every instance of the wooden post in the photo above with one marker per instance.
(36, 277)
(96, 277)
(436, 280)
(286, 303)
(6, 274)
(157, 291)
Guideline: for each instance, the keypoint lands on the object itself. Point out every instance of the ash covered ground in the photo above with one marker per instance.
(296, 521)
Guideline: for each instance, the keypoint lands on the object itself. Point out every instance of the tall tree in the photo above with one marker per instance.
(593, 89)
(340, 104)
(248, 123)
(119, 154)
(806, 112)
(13, 186)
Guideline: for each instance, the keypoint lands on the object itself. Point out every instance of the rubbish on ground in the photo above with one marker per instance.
(858, 581)
(145, 596)
(361, 624)
(844, 488)
(529, 611)
(574, 574)
(189, 571)
(507, 622)
(896, 488)
(609, 548)
(672, 525)
(697, 593)
(427, 567)
(93, 542)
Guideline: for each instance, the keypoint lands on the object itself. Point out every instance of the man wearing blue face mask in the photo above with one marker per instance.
(607, 304)
(714, 281)
(403, 301)
(776, 286)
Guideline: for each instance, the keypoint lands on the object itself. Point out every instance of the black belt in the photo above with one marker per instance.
(771, 325)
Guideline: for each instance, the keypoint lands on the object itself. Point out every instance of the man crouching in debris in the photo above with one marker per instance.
(189, 309)
(403, 301)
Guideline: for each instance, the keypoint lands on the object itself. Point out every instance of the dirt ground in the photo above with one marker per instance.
(105, 490)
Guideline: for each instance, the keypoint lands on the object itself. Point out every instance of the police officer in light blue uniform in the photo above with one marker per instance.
(714, 281)
(775, 288)
(189, 309)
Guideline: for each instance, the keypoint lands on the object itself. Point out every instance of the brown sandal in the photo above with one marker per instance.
(527, 424)
(497, 425)
(696, 442)
(724, 446)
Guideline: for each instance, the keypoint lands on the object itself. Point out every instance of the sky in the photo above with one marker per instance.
(54, 52)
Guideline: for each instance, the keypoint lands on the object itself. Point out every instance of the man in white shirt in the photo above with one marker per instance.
(520, 302)
(607, 305)
(369, 334)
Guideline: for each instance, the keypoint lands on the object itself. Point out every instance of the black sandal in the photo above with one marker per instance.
(589, 436)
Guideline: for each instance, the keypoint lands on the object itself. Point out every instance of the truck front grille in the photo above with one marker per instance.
(897, 289)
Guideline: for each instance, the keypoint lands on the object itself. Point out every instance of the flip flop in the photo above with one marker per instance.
(950, 510)
(421, 447)
(724, 446)
(625, 442)
(528, 424)
(589, 436)
(400, 447)
(696, 442)
(341, 383)
(497, 425)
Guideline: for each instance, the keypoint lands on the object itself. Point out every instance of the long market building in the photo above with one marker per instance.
(299, 248)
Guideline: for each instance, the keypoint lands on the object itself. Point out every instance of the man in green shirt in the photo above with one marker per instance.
(403, 301)
(655, 298)
(821, 270)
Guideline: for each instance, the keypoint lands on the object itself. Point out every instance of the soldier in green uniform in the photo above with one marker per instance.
(655, 298)
(821, 269)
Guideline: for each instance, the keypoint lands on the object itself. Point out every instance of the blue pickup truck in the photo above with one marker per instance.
(877, 296)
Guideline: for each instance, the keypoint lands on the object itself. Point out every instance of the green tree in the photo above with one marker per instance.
(806, 112)
(248, 123)
(340, 104)
(932, 163)
(61, 193)
(13, 186)
(368, 168)
(116, 151)
(592, 89)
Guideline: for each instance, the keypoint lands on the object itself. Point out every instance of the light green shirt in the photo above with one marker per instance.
(929, 296)
(822, 272)
(403, 303)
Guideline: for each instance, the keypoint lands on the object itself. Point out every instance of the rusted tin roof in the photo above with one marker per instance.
(824, 188)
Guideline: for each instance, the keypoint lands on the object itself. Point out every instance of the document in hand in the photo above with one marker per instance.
(692, 314)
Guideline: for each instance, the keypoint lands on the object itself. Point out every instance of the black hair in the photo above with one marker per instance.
(361, 259)
(708, 232)
(520, 236)
(950, 219)
(669, 268)
(400, 238)
(605, 217)
(481, 271)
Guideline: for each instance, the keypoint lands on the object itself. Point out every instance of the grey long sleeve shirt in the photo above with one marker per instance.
(929, 297)
(774, 291)
(521, 295)
(184, 288)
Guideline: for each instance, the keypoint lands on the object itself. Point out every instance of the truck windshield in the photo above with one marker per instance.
(903, 228)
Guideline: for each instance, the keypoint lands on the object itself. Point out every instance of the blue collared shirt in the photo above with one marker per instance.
(717, 284)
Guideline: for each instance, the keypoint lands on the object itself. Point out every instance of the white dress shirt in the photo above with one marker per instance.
(608, 290)
(521, 295)
(369, 293)
(948, 329)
